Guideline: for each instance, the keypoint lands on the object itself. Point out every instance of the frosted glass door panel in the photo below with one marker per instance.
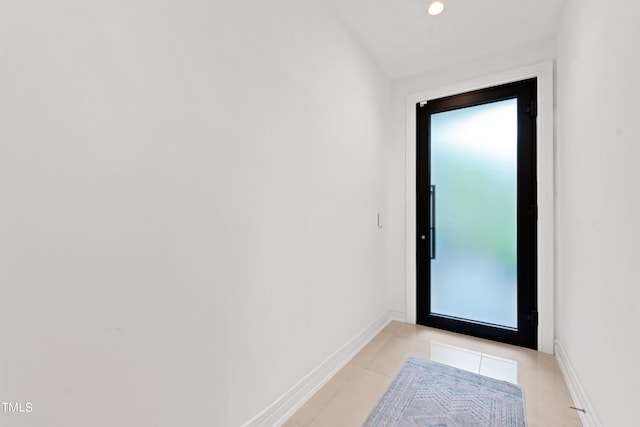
(474, 171)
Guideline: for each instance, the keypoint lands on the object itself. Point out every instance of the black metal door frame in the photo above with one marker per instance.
(525, 334)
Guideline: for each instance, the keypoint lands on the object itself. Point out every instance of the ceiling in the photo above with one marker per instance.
(405, 40)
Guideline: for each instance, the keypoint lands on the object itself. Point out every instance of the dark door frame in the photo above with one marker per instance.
(526, 333)
(421, 91)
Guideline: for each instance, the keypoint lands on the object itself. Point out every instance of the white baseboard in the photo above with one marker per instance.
(589, 417)
(400, 316)
(287, 404)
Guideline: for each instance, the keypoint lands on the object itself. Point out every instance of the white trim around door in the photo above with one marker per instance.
(545, 172)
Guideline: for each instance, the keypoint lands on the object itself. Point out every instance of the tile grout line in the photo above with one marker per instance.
(480, 365)
(375, 372)
(362, 364)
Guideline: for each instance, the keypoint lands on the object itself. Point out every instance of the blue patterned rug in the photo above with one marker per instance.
(430, 394)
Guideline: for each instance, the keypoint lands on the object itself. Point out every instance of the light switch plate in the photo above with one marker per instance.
(380, 219)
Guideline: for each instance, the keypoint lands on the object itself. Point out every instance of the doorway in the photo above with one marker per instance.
(476, 213)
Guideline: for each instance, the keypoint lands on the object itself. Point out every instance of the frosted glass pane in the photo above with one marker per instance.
(473, 166)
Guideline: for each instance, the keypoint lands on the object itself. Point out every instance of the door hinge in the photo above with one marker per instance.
(534, 318)
(533, 109)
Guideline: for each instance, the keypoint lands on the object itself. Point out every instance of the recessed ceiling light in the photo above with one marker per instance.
(436, 8)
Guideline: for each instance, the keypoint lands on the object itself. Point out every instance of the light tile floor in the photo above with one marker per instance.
(347, 399)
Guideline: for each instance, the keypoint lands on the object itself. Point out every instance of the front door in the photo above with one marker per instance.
(477, 213)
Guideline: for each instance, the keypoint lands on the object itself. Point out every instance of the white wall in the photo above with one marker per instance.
(188, 198)
(395, 152)
(598, 200)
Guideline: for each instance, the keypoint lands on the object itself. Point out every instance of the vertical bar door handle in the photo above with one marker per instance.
(432, 226)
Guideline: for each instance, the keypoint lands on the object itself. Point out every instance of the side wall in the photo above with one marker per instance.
(598, 152)
(188, 200)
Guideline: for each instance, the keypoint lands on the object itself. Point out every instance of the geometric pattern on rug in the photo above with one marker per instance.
(430, 394)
